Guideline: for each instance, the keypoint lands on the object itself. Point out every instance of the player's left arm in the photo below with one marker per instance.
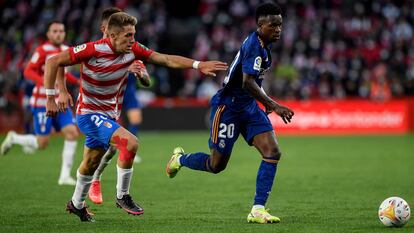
(179, 62)
(250, 85)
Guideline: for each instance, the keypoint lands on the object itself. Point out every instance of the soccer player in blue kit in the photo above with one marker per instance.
(235, 111)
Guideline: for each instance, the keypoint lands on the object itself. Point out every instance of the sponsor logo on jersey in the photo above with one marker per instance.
(79, 48)
(257, 63)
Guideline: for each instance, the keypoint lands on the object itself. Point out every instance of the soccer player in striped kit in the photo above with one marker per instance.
(63, 122)
(103, 79)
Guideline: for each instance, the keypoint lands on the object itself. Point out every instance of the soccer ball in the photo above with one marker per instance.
(394, 211)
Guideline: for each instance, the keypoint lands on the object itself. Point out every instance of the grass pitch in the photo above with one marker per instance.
(323, 184)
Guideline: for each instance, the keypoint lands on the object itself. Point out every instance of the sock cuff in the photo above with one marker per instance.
(71, 143)
(124, 170)
(84, 178)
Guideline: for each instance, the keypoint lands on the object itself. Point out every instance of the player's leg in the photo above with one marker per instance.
(65, 123)
(90, 161)
(127, 144)
(258, 131)
(266, 144)
(224, 133)
(95, 192)
(42, 127)
(134, 121)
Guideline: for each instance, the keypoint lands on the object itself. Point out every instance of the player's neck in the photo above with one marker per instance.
(262, 41)
(54, 44)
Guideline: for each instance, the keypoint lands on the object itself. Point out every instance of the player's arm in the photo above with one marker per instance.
(250, 85)
(53, 65)
(179, 62)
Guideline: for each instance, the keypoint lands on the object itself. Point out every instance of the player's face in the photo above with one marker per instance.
(271, 27)
(124, 40)
(56, 33)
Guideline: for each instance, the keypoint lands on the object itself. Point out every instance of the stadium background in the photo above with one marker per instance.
(330, 51)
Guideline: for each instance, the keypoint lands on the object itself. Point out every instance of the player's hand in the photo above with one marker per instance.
(140, 71)
(210, 67)
(284, 112)
(64, 101)
(137, 68)
(51, 107)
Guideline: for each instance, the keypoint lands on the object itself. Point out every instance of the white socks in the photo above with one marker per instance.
(25, 140)
(106, 159)
(255, 207)
(124, 181)
(83, 183)
(68, 153)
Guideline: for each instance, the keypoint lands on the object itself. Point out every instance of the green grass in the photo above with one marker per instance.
(323, 184)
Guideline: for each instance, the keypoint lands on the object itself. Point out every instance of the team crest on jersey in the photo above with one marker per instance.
(79, 48)
(222, 144)
(257, 63)
(107, 124)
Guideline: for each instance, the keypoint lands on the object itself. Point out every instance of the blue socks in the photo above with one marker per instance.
(196, 161)
(133, 129)
(264, 182)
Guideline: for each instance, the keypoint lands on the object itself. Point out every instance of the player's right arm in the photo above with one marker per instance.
(71, 56)
(250, 85)
(53, 65)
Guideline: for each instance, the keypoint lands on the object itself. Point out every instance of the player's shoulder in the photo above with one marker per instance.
(47, 48)
(251, 42)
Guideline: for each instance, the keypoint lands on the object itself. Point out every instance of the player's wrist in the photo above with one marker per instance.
(196, 64)
(50, 92)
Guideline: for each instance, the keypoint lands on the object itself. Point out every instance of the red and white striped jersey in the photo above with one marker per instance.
(34, 71)
(103, 75)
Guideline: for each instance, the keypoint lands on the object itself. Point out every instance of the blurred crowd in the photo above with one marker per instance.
(330, 49)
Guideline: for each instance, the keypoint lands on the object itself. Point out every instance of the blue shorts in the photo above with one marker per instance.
(43, 124)
(227, 124)
(98, 129)
(130, 99)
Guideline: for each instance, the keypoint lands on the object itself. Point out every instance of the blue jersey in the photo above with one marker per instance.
(253, 58)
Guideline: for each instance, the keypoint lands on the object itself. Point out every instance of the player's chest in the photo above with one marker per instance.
(112, 60)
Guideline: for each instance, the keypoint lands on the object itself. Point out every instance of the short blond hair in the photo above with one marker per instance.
(121, 19)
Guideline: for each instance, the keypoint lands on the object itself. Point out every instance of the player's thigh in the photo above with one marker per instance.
(134, 116)
(224, 129)
(98, 129)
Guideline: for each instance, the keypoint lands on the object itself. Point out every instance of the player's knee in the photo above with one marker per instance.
(276, 154)
(72, 135)
(215, 169)
(43, 144)
(133, 144)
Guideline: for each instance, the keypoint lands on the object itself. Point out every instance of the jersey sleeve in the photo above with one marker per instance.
(141, 52)
(33, 70)
(251, 59)
(82, 52)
